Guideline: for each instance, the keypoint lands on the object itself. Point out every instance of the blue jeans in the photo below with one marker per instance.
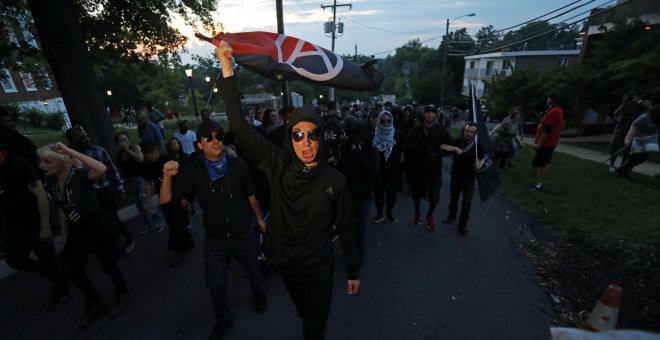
(218, 251)
(135, 190)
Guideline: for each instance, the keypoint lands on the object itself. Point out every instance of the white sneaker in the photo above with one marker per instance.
(612, 169)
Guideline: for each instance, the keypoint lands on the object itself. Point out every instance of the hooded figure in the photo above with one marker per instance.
(308, 198)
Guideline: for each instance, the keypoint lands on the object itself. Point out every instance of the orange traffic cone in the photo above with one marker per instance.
(606, 312)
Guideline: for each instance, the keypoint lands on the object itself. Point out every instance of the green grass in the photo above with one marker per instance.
(581, 196)
(602, 146)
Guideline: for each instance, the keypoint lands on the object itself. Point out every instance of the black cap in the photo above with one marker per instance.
(205, 128)
(430, 108)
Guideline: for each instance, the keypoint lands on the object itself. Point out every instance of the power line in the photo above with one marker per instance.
(568, 11)
(386, 31)
(539, 17)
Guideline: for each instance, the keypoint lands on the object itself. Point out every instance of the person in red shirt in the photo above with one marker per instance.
(547, 138)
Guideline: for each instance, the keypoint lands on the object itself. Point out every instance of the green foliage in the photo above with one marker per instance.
(581, 196)
(54, 121)
(34, 117)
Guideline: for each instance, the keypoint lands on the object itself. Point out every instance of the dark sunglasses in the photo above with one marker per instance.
(385, 121)
(313, 135)
(209, 138)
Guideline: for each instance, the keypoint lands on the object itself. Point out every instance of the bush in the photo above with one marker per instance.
(34, 117)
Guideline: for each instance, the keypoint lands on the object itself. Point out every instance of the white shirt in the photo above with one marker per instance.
(187, 141)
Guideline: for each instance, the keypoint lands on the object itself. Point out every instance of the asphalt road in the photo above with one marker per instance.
(414, 285)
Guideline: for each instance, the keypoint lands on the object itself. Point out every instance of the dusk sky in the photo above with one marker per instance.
(380, 26)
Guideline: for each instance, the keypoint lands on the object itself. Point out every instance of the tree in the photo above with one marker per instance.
(74, 34)
(486, 37)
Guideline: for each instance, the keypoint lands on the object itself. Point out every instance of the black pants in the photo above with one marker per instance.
(633, 160)
(108, 204)
(502, 158)
(218, 251)
(384, 195)
(456, 188)
(361, 215)
(311, 294)
(77, 251)
(17, 254)
(180, 238)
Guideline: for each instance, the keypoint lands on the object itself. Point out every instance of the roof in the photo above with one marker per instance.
(524, 54)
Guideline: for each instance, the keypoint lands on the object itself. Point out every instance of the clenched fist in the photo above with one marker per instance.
(170, 168)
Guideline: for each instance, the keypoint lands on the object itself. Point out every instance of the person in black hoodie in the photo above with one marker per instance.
(226, 196)
(359, 163)
(308, 198)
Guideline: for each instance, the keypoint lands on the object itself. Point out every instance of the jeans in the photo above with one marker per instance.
(135, 190)
(218, 251)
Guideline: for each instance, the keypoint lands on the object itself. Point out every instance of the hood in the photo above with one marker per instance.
(305, 114)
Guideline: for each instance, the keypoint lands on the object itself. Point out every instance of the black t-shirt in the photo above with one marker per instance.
(21, 147)
(17, 202)
(423, 149)
(76, 197)
(153, 171)
(462, 167)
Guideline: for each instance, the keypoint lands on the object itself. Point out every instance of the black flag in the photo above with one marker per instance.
(488, 177)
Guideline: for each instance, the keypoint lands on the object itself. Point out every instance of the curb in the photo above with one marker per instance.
(125, 214)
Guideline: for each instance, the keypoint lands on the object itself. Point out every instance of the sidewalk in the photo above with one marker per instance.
(647, 168)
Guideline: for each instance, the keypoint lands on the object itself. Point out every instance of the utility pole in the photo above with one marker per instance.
(331, 91)
(280, 30)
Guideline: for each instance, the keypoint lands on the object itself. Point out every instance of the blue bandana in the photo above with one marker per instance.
(217, 169)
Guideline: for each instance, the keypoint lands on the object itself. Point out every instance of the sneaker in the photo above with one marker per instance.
(119, 306)
(430, 224)
(417, 218)
(379, 218)
(391, 218)
(129, 247)
(219, 330)
(536, 187)
(448, 219)
(158, 227)
(462, 229)
(93, 311)
(177, 258)
(260, 304)
(612, 169)
(58, 300)
(144, 230)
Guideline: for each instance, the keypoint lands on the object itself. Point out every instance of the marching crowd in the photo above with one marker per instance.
(302, 177)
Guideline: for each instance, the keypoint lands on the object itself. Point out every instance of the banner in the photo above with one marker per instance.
(282, 57)
(488, 176)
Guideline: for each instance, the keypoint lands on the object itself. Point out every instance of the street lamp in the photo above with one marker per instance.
(189, 75)
(109, 93)
(444, 58)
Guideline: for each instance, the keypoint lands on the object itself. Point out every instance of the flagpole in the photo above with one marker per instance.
(474, 118)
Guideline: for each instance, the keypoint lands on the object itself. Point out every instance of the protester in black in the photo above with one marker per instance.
(359, 163)
(308, 199)
(176, 215)
(462, 176)
(389, 143)
(426, 144)
(84, 225)
(226, 197)
(24, 207)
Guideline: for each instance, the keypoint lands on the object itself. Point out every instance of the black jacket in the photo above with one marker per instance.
(305, 203)
(224, 202)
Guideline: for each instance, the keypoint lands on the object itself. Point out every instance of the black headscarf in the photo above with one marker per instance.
(298, 179)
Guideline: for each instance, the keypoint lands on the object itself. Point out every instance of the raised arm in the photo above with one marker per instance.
(255, 145)
(96, 169)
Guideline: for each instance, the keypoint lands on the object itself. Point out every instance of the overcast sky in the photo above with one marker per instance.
(377, 27)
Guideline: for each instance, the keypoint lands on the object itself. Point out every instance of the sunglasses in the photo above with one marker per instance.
(209, 138)
(313, 135)
(385, 121)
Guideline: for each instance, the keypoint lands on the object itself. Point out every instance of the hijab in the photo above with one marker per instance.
(384, 136)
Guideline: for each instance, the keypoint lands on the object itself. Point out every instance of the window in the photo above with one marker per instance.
(472, 65)
(28, 36)
(28, 82)
(44, 77)
(489, 68)
(506, 64)
(7, 82)
(11, 35)
(562, 62)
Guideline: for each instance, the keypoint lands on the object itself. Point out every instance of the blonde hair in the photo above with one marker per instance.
(45, 151)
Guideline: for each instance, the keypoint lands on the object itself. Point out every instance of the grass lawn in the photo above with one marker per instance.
(602, 146)
(582, 196)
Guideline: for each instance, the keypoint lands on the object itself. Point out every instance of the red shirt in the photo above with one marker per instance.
(555, 118)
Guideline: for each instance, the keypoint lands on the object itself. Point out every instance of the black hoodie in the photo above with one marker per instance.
(304, 204)
(359, 165)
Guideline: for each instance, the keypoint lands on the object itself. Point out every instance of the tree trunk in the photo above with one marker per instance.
(63, 43)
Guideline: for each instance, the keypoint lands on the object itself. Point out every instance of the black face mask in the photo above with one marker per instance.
(183, 130)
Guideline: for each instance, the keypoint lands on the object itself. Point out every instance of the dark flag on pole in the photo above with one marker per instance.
(488, 177)
(282, 57)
